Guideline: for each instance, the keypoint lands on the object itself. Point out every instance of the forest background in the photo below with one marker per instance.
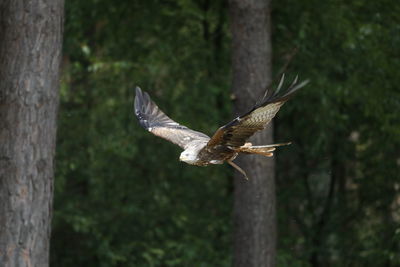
(123, 199)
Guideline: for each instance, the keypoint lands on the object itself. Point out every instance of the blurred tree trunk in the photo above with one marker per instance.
(254, 204)
(30, 53)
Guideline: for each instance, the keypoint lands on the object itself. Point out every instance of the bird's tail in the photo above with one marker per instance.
(266, 150)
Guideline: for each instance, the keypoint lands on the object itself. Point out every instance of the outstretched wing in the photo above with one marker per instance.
(235, 133)
(156, 122)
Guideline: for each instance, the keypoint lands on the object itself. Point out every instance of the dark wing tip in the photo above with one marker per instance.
(280, 83)
(279, 96)
(138, 101)
(293, 87)
(141, 105)
(138, 97)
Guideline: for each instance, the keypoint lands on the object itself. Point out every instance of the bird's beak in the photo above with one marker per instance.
(182, 158)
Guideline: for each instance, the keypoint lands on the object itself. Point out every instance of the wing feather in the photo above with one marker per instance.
(235, 133)
(155, 121)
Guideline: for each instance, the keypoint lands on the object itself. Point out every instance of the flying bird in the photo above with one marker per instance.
(228, 141)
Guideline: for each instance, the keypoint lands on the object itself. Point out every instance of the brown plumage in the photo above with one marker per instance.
(228, 141)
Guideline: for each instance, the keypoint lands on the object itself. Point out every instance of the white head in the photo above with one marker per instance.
(189, 155)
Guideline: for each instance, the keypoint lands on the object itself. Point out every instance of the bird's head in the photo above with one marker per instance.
(189, 156)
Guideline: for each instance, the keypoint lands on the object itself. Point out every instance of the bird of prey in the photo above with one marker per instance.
(228, 141)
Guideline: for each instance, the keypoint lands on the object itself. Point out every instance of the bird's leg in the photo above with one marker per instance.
(238, 168)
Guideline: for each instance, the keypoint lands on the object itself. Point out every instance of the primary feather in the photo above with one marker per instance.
(235, 133)
(156, 122)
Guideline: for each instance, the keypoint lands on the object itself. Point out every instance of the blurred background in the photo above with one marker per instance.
(122, 198)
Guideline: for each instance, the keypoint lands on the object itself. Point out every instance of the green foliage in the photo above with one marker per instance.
(123, 199)
(339, 182)
(122, 196)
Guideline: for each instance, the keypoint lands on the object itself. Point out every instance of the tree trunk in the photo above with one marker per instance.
(30, 53)
(254, 204)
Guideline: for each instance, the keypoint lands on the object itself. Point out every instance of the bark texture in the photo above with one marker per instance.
(254, 204)
(30, 53)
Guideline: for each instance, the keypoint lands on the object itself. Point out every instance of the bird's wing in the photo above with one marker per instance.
(156, 122)
(235, 133)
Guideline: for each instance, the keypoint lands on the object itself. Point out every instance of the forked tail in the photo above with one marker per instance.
(266, 150)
